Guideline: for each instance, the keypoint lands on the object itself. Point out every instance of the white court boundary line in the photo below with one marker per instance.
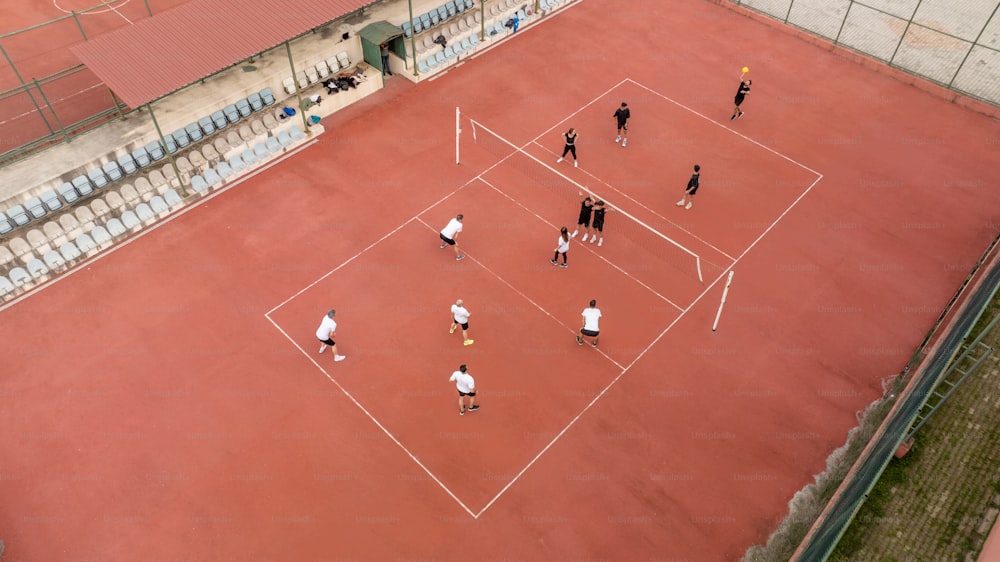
(101, 254)
(111, 8)
(524, 296)
(585, 247)
(688, 109)
(604, 391)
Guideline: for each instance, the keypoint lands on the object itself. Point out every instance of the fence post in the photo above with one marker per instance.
(836, 40)
(298, 91)
(788, 14)
(27, 90)
(148, 9)
(909, 22)
(166, 149)
(49, 105)
(80, 26)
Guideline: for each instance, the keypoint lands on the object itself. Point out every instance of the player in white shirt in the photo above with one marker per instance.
(449, 235)
(460, 317)
(562, 247)
(466, 386)
(591, 326)
(326, 332)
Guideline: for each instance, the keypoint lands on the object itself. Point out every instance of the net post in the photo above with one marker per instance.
(458, 132)
(725, 292)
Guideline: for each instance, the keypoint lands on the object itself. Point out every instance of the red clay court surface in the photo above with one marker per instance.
(167, 401)
(45, 51)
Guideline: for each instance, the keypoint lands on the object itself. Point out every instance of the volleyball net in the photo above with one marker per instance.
(547, 185)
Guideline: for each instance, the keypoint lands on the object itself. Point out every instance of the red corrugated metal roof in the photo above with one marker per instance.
(162, 54)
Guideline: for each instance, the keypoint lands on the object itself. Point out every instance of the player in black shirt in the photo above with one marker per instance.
(622, 116)
(740, 94)
(598, 223)
(692, 188)
(570, 137)
(583, 223)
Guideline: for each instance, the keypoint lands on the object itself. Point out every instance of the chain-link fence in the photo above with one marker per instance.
(955, 43)
(48, 96)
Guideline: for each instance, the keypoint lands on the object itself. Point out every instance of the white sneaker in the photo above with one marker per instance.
(680, 203)
(339, 357)
(600, 242)
(574, 163)
(688, 206)
(575, 232)
(322, 348)
(559, 160)
(584, 239)
(618, 139)
(593, 239)
(624, 142)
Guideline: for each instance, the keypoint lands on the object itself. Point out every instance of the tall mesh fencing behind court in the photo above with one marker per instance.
(542, 185)
(49, 96)
(954, 44)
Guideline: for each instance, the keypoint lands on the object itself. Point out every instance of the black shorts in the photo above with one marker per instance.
(692, 191)
(328, 342)
(590, 333)
(464, 326)
(599, 225)
(447, 241)
(623, 125)
(470, 394)
(738, 100)
(584, 219)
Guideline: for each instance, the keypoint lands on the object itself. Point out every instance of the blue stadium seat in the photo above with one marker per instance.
(406, 28)
(18, 215)
(5, 224)
(199, 184)
(206, 125)
(19, 277)
(155, 150)
(144, 212)
(219, 120)
(243, 106)
(82, 186)
(211, 177)
(442, 13)
(6, 287)
(261, 151)
(232, 114)
(273, 146)
(37, 268)
(35, 208)
(128, 164)
(193, 132)
(180, 137)
(225, 170)
(450, 9)
(425, 21)
(68, 192)
(172, 198)
(237, 163)
(97, 178)
(85, 243)
(112, 172)
(296, 133)
(284, 139)
(53, 260)
(141, 157)
(101, 236)
(422, 66)
(131, 221)
(268, 98)
(256, 103)
(159, 205)
(69, 251)
(51, 200)
(248, 157)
